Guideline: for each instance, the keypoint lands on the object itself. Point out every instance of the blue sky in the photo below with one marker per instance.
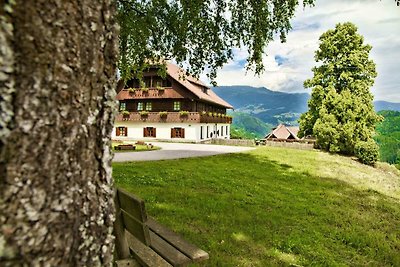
(290, 63)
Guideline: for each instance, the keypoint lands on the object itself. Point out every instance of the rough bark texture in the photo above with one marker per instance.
(57, 85)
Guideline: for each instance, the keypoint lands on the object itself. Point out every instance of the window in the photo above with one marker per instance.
(159, 83)
(222, 130)
(207, 131)
(201, 132)
(149, 106)
(121, 131)
(226, 130)
(140, 106)
(122, 106)
(166, 83)
(177, 105)
(147, 83)
(177, 133)
(149, 132)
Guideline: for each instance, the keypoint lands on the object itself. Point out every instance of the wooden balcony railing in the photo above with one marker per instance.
(194, 117)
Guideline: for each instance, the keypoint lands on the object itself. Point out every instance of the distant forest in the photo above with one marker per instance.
(388, 137)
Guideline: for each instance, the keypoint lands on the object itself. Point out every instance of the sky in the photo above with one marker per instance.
(289, 64)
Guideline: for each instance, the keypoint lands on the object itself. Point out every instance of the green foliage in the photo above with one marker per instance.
(201, 33)
(341, 112)
(163, 114)
(144, 113)
(262, 207)
(388, 137)
(184, 113)
(367, 152)
(125, 113)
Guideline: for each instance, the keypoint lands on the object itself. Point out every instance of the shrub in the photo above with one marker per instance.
(203, 113)
(210, 114)
(131, 90)
(163, 113)
(144, 89)
(144, 113)
(183, 113)
(125, 113)
(159, 88)
(367, 151)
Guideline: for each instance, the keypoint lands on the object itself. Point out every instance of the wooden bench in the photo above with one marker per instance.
(141, 241)
(125, 147)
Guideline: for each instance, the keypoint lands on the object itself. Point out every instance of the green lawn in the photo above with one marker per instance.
(275, 207)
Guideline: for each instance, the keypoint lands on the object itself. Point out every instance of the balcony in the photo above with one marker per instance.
(191, 117)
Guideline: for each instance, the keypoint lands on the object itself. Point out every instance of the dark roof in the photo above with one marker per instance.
(195, 86)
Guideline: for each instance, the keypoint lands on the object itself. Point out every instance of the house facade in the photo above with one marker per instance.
(172, 109)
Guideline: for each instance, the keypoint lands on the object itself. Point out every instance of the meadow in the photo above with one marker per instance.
(275, 207)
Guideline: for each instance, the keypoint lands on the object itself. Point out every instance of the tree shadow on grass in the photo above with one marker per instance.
(278, 212)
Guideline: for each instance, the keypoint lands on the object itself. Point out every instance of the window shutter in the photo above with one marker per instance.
(144, 132)
(117, 131)
(126, 131)
(183, 132)
(154, 132)
(172, 133)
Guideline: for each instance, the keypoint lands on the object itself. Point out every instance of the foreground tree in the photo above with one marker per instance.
(57, 77)
(341, 114)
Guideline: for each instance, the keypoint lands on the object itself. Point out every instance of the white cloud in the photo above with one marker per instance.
(377, 21)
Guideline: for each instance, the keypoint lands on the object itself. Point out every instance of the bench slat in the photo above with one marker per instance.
(133, 205)
(139, 230)
(127, 263)
(168, 252)
(144, 254)
(177, 241)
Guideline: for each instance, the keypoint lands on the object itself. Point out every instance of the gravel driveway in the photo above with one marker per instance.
(177, 151)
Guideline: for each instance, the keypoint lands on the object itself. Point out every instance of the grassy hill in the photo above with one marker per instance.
(275, 207)
(253, 125)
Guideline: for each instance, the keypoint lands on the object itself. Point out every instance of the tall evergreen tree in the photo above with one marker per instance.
(341, 113)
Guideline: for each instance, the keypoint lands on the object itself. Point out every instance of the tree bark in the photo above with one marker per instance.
(57, 86)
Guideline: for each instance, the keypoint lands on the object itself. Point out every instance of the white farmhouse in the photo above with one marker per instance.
(174, 108)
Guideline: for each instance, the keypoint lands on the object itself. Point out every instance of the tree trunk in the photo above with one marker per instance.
(57, 90)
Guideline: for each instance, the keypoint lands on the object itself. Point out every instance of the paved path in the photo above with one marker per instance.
(177, 151)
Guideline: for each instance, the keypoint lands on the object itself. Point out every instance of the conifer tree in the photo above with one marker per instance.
(341, 114)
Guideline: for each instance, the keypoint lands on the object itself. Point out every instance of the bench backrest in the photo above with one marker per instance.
(133, 215)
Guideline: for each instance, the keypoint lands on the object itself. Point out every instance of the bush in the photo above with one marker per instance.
(163, 114)
(184, 113)
(125, 113)
(367, 151)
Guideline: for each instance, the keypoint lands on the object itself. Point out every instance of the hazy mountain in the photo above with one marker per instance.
(384, 105)
(271, 107)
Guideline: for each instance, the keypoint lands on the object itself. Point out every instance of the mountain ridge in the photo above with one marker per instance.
(272, 107)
